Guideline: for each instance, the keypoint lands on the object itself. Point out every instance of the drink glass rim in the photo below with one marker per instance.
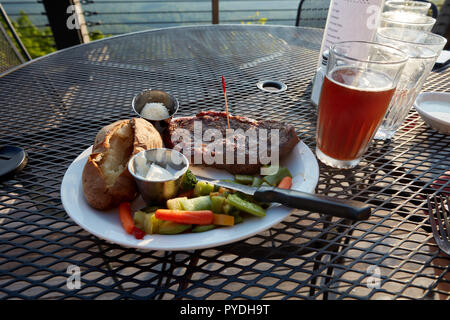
(402, 3)
(427, 20)
(440, 40)
(404, 56)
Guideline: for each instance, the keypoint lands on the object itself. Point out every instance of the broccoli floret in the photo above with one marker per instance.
(189, 181)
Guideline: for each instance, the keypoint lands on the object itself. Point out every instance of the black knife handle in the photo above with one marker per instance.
(341, 208)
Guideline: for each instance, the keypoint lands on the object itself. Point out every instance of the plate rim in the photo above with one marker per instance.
(440, 125)
(422, 97)
(185, 246)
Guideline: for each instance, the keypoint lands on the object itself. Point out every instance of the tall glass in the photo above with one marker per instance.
(358, 87)
(418, 7)
(407, 20)
(423, 49)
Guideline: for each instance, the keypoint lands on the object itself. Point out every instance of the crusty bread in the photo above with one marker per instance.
(106, 180)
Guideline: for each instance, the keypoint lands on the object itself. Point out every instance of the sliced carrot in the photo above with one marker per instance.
(185, 217)
(188, 194)
(285, 183)
(125, 217)
(223, 219)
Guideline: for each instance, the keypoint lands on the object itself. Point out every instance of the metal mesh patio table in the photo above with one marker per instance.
(54, 106)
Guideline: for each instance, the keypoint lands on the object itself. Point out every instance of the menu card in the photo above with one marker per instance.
(350, 20)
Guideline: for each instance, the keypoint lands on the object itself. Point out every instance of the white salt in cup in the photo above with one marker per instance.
(155, 96)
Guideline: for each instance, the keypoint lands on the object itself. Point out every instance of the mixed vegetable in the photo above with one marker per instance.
(201, 206)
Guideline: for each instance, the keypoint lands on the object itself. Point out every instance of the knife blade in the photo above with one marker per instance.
(342, 208)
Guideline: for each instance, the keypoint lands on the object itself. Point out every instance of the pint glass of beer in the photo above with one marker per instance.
(359, 84)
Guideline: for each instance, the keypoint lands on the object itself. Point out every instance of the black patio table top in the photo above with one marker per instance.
(54, 106)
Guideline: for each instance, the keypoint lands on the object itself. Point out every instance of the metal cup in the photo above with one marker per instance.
(158, 191)
(157, 96)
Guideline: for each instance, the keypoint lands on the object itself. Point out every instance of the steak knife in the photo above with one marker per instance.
(349, 209)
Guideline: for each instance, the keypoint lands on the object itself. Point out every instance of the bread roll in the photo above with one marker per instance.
(106, 180)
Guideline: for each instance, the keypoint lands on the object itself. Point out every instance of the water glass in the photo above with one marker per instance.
(418, 7)
(407, 20)
(423, 49)
(359, 84)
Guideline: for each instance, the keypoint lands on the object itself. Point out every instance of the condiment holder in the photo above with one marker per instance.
(157, 191)
(155, 96)
(12, 160)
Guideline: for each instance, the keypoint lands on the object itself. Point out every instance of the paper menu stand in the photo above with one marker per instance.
(348, 20)
(351, 20)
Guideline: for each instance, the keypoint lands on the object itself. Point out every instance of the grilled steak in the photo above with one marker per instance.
(240, 151)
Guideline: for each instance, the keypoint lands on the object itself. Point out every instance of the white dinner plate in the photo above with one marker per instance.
(106, 224)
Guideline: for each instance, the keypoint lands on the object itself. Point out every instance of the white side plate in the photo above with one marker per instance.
(106, 224)
(434, 109)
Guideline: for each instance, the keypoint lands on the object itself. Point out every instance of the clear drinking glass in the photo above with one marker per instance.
(358, 87)
(418, 7)
(408, 20)
(423, 49)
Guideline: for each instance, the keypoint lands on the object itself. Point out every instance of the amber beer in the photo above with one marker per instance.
(358, 87)
(352, 105)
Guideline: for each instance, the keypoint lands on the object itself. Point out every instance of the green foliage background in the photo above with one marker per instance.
(122, 17)
(39, 41)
